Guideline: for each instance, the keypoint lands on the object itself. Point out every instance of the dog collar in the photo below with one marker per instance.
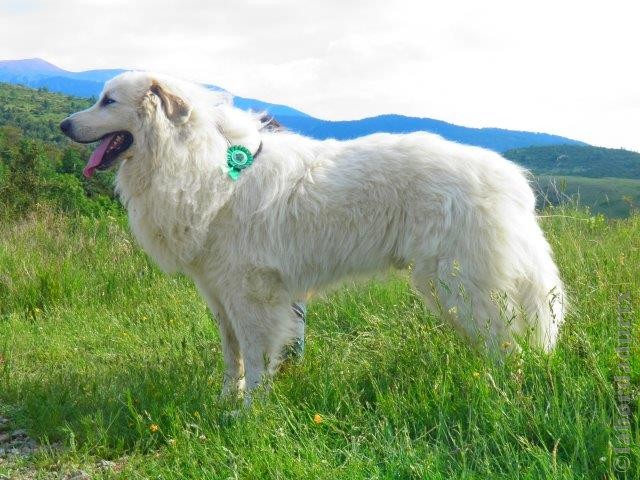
(238, 158)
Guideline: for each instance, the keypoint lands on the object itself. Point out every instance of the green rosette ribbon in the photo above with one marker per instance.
(238, 158)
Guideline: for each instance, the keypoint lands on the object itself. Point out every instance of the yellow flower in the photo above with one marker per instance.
(476, 374)
(154, 428)
(317, 418)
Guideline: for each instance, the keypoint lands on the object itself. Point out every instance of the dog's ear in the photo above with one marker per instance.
(175, 108)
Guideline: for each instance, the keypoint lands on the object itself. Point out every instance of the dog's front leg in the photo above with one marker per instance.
(233, 379)
(260, 314)
(258, 330)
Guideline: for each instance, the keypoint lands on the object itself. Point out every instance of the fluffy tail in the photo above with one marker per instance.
(541, 294)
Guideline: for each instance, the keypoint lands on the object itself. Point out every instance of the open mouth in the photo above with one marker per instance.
(110, 147)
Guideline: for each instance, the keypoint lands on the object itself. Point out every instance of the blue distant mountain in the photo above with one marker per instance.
(273, 109)
(37, 73)
(496, 139)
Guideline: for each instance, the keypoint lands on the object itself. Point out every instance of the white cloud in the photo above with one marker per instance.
(563, 67)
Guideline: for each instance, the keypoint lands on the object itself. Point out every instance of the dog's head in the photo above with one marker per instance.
(121, 117)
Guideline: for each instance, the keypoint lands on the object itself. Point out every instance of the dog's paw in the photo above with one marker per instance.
(229, 417)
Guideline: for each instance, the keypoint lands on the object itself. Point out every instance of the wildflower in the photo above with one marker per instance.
(476, 374)
(202, 437)
(154, 428)
(317, 418)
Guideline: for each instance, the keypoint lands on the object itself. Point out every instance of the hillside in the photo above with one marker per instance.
(40, 165)
(37, 113)
(576, 160)
(614, 197)
(38, 73)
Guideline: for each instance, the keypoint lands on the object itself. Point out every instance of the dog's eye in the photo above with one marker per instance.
(107, 101)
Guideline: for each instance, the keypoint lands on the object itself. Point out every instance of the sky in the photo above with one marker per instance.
(565, 67)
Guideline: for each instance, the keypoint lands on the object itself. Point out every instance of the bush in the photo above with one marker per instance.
(34, 172)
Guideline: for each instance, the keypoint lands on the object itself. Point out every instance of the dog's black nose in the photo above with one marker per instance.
(65, 126)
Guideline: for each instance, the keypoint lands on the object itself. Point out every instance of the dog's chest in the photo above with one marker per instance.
(164, 233)
(151, 237)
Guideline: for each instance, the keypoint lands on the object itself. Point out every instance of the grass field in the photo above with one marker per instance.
(102, 353)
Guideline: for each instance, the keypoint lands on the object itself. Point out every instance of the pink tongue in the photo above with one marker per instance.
(97, 156)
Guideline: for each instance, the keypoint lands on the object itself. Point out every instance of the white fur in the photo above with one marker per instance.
(309, 213)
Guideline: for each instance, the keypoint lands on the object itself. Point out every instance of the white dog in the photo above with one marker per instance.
(309, 213)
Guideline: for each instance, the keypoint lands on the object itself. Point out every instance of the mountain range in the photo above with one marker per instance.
(38, 73)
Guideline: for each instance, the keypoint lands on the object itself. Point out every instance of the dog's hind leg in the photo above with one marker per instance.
(424, 273)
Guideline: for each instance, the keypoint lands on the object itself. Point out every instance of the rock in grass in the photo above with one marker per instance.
(106, 465)
(78, 475)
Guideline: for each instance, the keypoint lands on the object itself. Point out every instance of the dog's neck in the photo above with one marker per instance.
(163, 192)
(178, 182)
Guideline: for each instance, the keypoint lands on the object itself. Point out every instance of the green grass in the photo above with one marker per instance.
(97, 345)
